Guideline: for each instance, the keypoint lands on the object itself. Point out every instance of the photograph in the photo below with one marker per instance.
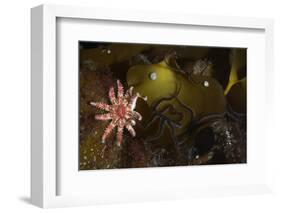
(159, 105)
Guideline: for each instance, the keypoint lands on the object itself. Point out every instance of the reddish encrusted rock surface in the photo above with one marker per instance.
(94, 154)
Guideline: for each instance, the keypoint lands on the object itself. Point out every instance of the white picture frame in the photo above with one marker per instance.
(46, 162)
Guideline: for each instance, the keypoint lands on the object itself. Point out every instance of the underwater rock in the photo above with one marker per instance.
(230, 140)
(203, 67)
(135, 154)
(94, 154)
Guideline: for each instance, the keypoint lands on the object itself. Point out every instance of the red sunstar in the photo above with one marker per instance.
(121, 112)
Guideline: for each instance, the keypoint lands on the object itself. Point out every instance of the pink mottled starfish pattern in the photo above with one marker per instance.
(120, 112)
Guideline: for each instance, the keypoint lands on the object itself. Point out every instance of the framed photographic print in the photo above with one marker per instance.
(136, 106)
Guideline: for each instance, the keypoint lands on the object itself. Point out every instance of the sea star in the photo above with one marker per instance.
(120, 112)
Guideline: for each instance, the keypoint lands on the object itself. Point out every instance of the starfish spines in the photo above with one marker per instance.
(137, 115)
(121, 112)
(103, 117)
(119, 136)
(129, 92)
(111, 95)
(120, 90)
(108, 130)
(100, 105)
(131, 130)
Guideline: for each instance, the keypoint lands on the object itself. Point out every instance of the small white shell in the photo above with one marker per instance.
(153, 76)
(206, 84)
